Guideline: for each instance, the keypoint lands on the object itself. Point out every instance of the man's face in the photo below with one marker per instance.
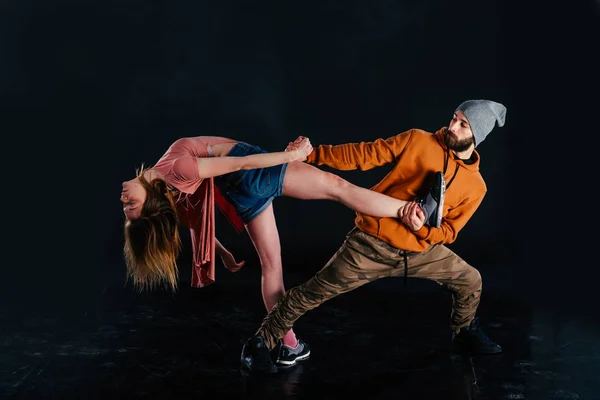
(459, 137)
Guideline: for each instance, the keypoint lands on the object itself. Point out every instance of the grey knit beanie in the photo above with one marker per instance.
(482, 115)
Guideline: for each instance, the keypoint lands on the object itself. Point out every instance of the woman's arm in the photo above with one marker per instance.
(227, 257)
(215, 166)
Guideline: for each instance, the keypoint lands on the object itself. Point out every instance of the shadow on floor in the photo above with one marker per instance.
(377, 342)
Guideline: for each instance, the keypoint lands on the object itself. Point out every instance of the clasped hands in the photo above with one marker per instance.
(302, 145)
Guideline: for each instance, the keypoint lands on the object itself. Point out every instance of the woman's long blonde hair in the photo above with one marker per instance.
(152, 241)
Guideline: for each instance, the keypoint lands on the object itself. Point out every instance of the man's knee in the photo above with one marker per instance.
(472, 278)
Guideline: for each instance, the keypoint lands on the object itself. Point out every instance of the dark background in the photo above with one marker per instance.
(90, 90)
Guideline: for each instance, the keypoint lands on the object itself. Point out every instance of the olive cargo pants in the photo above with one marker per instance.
(364, 258)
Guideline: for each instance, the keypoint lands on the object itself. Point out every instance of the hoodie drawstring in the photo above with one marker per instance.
(446, 167)
(405, 269)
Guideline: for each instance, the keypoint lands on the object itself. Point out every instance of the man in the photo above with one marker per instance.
(376, 247)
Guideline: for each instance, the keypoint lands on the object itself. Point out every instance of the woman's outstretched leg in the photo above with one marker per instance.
(265, 237)
(307, 182)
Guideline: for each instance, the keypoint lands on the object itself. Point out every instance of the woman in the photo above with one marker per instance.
(197, 172)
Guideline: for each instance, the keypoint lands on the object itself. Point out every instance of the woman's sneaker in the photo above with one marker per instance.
(289, 356)
(433, 202)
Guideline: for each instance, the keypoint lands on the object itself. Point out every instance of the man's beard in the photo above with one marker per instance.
(455, 144)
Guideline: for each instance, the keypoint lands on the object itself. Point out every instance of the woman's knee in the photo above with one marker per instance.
(270, 260)
(335, 185)
(265, 238)
(271, 263)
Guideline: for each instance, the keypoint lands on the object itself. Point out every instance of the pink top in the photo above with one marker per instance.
(196, 201)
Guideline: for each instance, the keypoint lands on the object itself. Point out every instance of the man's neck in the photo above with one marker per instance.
(464, 155)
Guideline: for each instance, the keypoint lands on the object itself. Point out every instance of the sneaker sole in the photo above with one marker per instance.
(290, 363)
(260, 370)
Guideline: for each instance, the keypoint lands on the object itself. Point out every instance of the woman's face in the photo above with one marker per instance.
(133, 197)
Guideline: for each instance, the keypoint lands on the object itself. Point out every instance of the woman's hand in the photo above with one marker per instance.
(301, 145)
(230, 263)
(294, 145)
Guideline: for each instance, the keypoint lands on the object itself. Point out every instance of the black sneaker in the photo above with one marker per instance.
(289, 356)
(474, 340)
(433, 202)
(256, 356)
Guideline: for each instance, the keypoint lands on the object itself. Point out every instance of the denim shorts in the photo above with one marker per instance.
(250, 191)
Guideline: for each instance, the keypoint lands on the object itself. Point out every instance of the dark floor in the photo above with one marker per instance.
(378, 342)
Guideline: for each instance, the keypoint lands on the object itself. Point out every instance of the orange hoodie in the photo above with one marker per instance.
(417, 154)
